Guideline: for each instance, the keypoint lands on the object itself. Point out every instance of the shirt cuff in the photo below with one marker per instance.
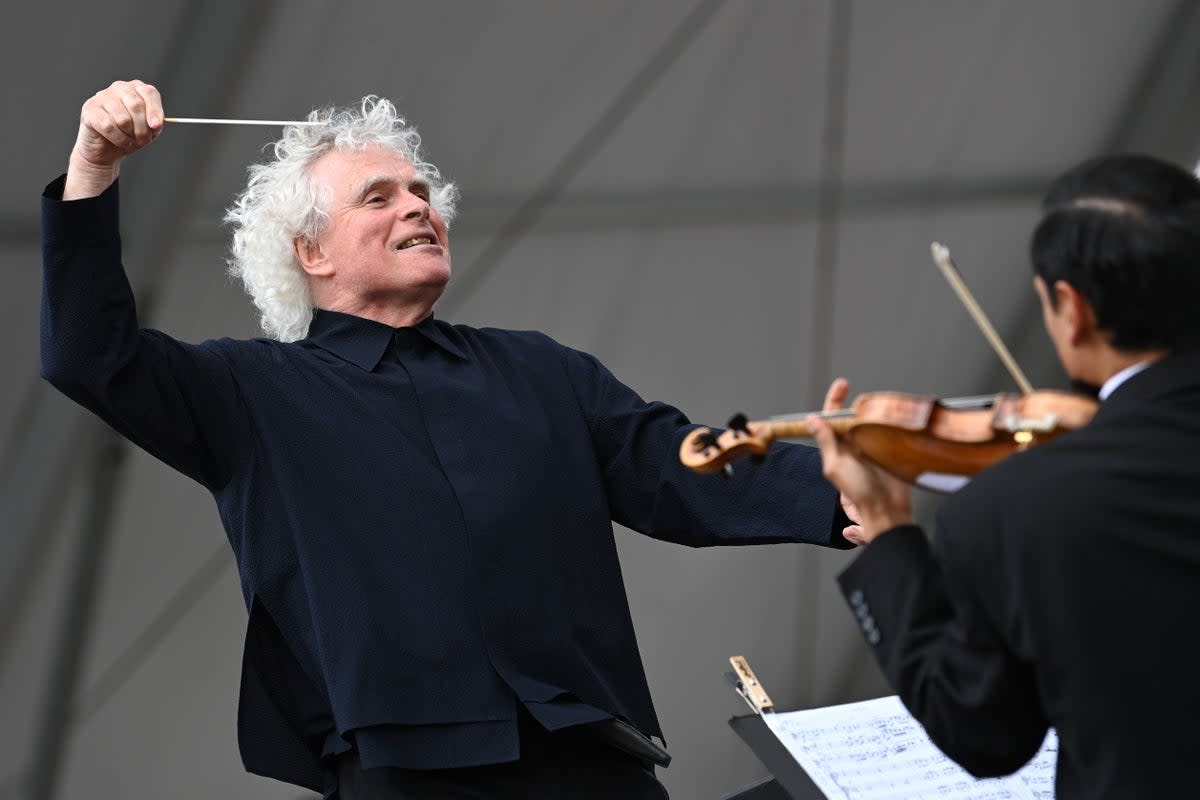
(88, 221)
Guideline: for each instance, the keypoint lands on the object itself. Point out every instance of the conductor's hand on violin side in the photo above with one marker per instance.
(878, 500)
(835, 399)
(113, 123)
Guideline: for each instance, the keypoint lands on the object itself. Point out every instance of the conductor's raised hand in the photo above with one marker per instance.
(877, 500)
(113, 123)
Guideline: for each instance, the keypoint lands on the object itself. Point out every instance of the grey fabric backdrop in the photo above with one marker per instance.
(741, 196)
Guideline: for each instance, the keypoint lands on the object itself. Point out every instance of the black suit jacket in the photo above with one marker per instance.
(1059, 592)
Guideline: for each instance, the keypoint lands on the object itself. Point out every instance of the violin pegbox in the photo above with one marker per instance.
(706, 452)
(738, 422)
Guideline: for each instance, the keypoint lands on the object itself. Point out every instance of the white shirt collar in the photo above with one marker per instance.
(1112, 383)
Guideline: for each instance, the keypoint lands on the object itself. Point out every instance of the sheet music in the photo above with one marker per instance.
(876, 750)
(1038, 774)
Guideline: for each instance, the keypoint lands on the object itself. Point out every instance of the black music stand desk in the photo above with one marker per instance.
(791, 779)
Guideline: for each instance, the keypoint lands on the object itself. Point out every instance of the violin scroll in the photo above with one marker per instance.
(706, 452)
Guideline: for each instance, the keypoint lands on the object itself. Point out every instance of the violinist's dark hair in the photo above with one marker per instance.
(1124, 231)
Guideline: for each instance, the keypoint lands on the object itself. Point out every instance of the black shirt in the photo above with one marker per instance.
(422, 517)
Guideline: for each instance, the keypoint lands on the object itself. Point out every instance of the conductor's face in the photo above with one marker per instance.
(383, 244)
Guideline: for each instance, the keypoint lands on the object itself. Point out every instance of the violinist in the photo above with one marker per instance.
(421, 512)
(1060, 582)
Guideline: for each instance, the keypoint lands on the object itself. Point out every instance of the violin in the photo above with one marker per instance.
(919, 439)
(910, 436)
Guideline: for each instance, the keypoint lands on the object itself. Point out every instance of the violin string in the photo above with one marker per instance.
(974, 401)
(800, 415)
(970, 401)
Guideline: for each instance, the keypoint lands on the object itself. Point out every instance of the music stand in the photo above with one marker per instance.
(790, 779)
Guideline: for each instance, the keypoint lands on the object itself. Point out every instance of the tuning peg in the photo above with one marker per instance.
(738, 423)
(727, 471)
(706, 440)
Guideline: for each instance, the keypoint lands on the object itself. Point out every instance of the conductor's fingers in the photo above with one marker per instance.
(119, 120)
(109, 119)
(135, 113)
(153, 104)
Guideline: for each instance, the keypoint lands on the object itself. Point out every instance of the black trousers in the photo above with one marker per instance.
(567, 765)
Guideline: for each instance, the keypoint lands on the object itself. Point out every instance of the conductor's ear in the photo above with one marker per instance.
(311, 256)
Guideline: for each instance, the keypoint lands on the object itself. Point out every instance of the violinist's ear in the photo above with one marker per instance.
(1075, 313)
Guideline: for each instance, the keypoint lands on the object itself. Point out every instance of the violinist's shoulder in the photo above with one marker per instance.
(1021, 483)
(1018, 470)
(1047, 487)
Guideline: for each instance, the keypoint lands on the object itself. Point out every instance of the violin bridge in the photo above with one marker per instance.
(1018, 425)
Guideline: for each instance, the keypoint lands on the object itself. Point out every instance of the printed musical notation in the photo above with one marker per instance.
(876, 750)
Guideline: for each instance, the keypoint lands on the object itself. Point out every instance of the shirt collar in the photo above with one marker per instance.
(363, 341)
(1112, 383)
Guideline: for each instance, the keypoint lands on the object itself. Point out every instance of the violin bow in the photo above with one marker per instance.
(941, 257)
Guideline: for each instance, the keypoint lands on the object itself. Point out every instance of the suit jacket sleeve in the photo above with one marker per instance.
(175, 400)
(784, 499)
(939, 648)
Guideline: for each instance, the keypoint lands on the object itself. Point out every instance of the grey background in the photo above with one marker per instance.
(727, 202)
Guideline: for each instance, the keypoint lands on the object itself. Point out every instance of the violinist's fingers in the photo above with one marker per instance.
(856, 534)
(880, 501)
(833, 457)
(835, 396)
(826, 439)
(834, 466)
(843, 467)
(851, 510)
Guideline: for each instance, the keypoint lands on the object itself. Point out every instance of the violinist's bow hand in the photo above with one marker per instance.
(835, 396)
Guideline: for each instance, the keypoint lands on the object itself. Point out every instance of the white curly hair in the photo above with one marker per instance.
(280, 203)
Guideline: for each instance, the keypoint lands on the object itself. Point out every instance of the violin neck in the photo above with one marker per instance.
(796, 427)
